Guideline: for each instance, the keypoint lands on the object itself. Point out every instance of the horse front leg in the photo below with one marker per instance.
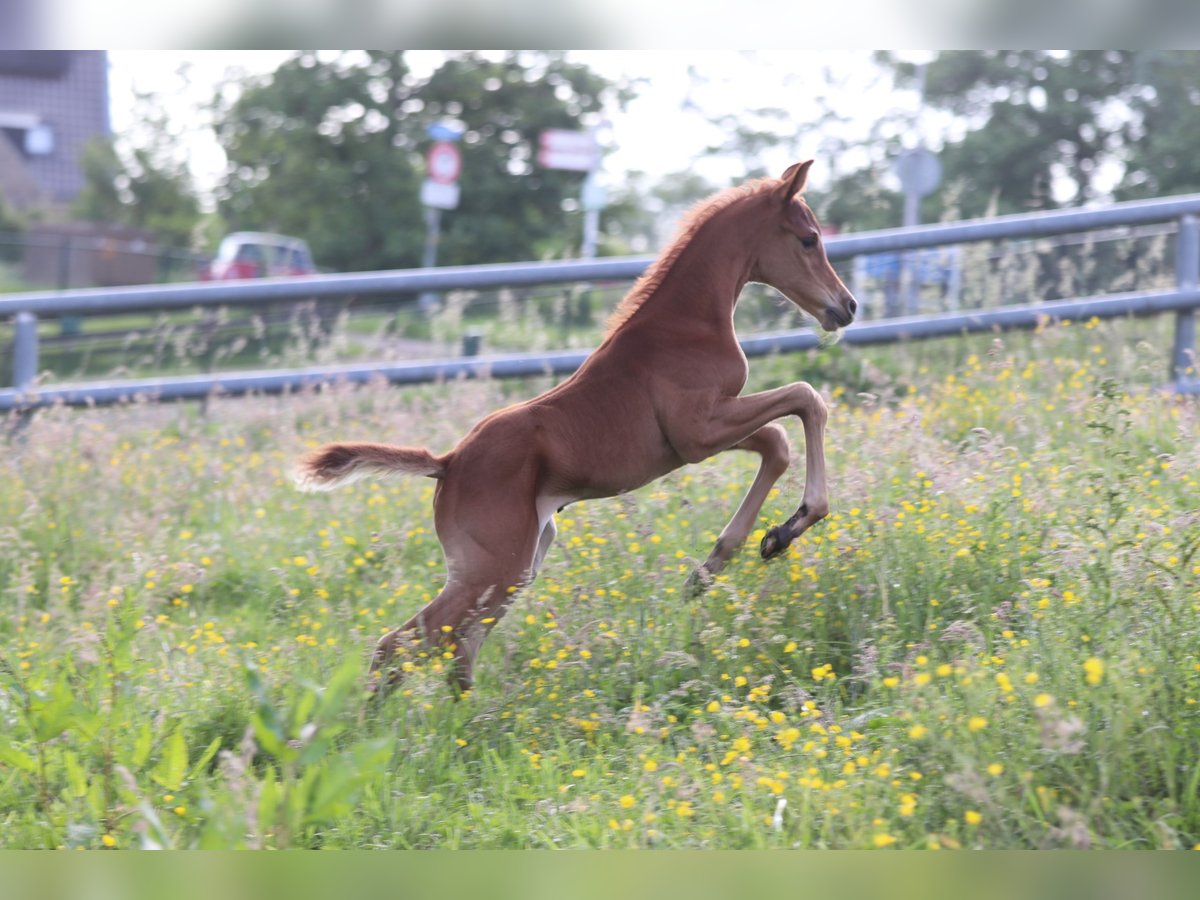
(771, 443)
(699, 431)
(814, 504)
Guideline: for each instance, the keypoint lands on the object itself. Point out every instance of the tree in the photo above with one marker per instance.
(511, 208)
(641, 217)
(1043, 129)
(1160, 153)
(857, 201)
(312, 152)
(145, 185)
(751, 134)
(137, 192)
(1039, 126)
(332, 150)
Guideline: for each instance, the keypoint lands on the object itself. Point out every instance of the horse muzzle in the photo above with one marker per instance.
(840, 314)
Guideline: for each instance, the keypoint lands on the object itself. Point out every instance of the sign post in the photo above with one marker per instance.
(439, 191)
(578, 151)
(575, 151)
(593, 197)
(920, 173)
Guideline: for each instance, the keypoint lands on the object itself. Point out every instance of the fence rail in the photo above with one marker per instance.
(25, 309)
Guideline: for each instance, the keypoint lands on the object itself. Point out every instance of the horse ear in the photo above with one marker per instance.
(793, 180)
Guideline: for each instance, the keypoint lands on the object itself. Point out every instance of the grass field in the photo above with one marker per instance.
(993, 641)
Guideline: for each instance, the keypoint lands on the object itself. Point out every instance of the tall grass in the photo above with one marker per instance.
(991, 642)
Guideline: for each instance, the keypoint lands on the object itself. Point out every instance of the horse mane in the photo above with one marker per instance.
(691, 222)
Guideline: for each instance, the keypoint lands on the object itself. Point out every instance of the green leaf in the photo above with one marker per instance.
(50, 716)
(268, 802)
(255, 683)
(10, 755)
(268, 727)
(77, 782)
(119, 637)
(308, 702)
(344, 681)
(96, 800)
(85, 723)
(156, 837)
(209, 752)
(270, 739)
(315, 749)
(372, 756)
(333, 794)
(141, 746)
(173, 765)
(342, 778)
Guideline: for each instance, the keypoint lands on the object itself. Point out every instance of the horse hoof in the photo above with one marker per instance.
(698, 582)
(775, 542)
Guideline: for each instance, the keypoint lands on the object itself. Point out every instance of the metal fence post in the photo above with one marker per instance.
(25, 350)
(471, 342)
(1187, 275)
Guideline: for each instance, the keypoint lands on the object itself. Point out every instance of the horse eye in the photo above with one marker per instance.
(809, 242)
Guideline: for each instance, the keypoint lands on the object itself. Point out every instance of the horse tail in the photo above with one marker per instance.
(333, 465)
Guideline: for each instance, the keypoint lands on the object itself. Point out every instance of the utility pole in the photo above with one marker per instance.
(920, 173)
(592, 196)
(439, 191)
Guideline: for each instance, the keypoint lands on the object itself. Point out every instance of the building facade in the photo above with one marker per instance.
(52, 102)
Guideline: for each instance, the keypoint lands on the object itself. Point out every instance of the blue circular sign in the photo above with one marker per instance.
(442, 132)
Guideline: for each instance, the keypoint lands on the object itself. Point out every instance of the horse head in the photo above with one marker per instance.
(791, 256)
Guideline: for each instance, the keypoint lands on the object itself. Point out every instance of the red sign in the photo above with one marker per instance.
(560, 140)
(444, 162)
(577, 151)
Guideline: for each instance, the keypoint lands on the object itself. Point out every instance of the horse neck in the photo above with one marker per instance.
(703, 283)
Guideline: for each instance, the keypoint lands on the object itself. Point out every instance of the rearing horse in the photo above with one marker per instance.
(662, 390)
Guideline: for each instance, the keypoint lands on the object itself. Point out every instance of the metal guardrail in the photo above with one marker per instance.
(26, 307)
(258, 291)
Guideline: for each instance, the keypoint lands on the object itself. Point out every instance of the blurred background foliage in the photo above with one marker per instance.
(331, 146)
(331, 149)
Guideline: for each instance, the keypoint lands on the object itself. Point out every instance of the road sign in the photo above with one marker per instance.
(919, 171)
(439, 195)
(444, 162)
(445, 131)
(573, 162)
(576, 151)
(560, 140)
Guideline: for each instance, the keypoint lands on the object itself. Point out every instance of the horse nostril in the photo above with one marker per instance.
(852, 305)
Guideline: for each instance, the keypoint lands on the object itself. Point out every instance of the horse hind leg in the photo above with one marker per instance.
(492, 604)
(439, 626)
(455, 623)
(486, 570)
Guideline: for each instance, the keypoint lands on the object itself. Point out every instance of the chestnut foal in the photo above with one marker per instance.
(662, 390)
